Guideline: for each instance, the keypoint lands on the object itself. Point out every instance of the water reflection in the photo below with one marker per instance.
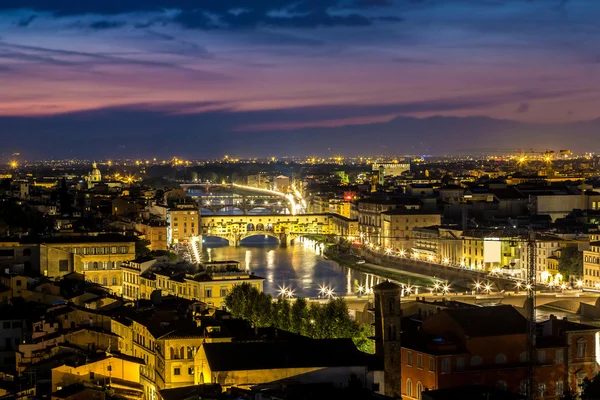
(297, 267)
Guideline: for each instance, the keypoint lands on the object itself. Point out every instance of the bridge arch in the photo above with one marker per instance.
(259, 211)
(230, 210)
(206, 211)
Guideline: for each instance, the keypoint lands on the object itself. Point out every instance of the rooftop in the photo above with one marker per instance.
(241, 356)
(488, 321)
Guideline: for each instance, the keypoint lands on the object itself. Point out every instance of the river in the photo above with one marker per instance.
(299, 267)
(304, 270)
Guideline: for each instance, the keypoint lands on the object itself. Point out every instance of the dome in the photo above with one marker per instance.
(95, 174)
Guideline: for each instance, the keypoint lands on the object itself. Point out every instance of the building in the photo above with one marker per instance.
(388, 319)
(591, 262)
(99, 257)
(209, 287)
(398, 225)
(391, 169)
(183, 222)
(94, 176)
(302, 361)
(155, 232)
(119, 371)
(370, 215)
(132, 271)
(282, 183)
(488, 346)
(545, 248)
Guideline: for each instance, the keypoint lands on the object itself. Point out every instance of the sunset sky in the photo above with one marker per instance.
(283, 65)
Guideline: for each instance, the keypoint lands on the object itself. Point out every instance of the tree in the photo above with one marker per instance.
(317, 321)
(570, 262)
(141, 247)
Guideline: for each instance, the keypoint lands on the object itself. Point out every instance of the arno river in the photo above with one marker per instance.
(297, 267)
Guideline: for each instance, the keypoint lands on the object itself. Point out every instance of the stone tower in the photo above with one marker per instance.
(388, 316)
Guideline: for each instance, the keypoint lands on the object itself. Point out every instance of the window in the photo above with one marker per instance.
(109, 368)
(475, 361)
(523, 357)
(191, 371)
(559, 356)
(560, 388)
(114, 281)
(431, 364)
(419, 361)
(223, 292)
(208, 293)
(523, 387)
(542, 389)
(500, 358)
(446, 362)
(581, 345)
(105, 281)
(419, 390)
(460, 364)
(409, 388)
(63, 265)
(95, 279)
(409, 358)
(92, 375)
(176, 371)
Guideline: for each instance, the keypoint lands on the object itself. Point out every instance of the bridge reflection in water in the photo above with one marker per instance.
(300, 268)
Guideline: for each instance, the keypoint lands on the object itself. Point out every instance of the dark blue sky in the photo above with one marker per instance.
(195, 78)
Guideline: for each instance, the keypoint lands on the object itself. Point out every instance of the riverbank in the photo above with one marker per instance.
(349, 261)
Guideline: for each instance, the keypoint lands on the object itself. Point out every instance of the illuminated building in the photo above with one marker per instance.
(98, 258)
(391, 169)
(155, 232)
(94, 176)
(120, 372)
(210, 287)
(591, 262)
(398, 224)
(301, 361)
(183, 220)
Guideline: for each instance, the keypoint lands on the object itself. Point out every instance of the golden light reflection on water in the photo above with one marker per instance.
(298, 267)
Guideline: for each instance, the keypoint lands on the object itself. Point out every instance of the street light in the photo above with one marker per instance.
(446, 261)
(477, 286)
(361, 290)
(446, 289)
(579, 284)
(402, 253)
(488, 288)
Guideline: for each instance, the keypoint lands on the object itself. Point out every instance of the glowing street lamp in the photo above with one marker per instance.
(323, 289)
(430, 258)
(518, 285)
(388, 250)
(478, 286)
(436, 286)
(446, 261)
(563, 286)
(283, 291)
(402, 253)
(446, 289)
(14, 164)
(361, 290)
(579, 284)
(330, 293)
(488, 288)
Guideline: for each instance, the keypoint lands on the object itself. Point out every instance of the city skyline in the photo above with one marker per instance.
(296, 78)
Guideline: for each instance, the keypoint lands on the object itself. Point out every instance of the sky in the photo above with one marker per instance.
(199, 77)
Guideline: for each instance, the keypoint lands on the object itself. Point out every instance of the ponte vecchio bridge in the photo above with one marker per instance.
(283, 227)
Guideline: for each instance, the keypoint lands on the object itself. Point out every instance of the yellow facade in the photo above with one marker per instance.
(183, 224)
(211, 291)
(397, 227)
(591, 263)
(99, 261)
(120, 372)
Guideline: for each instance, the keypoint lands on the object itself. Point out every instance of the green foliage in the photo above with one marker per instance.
(141, 247)
(16, 218)
(571, 262)
(172, 257)
(327, 321)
